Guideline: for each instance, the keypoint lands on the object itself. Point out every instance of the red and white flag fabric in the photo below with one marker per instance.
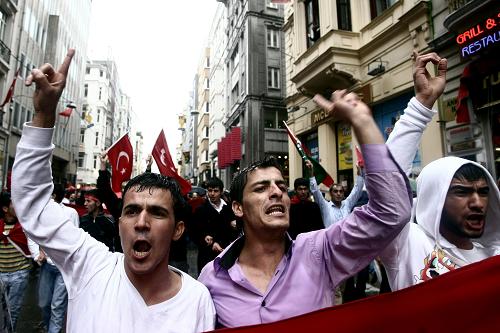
(444, 298)
(120, 156)
(163, 159)
(66, 112)
(10, 92)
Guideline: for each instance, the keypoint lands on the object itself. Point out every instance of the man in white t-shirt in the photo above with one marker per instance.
(108, 292)
(457, 209)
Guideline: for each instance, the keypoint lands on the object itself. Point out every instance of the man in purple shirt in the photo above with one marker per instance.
(264, 276)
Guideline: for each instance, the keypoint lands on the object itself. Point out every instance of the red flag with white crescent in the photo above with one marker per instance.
(163, 159)
(120, 156)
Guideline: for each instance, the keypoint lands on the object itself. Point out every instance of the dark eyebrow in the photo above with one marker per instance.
(135, 206)
(467, 188)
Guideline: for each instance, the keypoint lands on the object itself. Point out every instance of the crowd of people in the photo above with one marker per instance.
(121, 264)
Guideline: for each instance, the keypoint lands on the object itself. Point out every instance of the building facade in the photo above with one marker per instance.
(255, 82)
(40, 32)
(364, 46)
(467, 33)
(106, 117)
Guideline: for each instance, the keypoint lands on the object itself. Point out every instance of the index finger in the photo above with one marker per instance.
(423, 59)
(63, 69)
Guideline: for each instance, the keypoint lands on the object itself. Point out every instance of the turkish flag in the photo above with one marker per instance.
(120, 156)
(66, 112)
(165, 163)
(10, 92)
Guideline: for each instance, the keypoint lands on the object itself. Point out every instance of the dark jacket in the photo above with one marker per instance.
(102, 228)
(305, 216)
(207, 221)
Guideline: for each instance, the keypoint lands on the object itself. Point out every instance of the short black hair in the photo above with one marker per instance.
(240, 179)
(470, 172)
(150, 180)
(300, 182)
(58, 192)
(215, 182)
(4, 202)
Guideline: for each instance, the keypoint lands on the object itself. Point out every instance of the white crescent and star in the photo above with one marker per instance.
(120, 155)
(162, 156)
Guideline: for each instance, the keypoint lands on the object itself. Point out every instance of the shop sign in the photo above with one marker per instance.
(463, 138)
(344, 146)
(318, 117)
(449, 110)
(480, 36)
(459, 134)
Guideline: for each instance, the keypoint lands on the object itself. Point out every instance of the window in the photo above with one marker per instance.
(98, 115)
(378, 6)
(312, 21)
(81, 159)
(21, 68)
(206, 131)
(29, 115)
(87, 70)
(17, 114)
(273, 78)
(272, 37)
(101, 73)
(235, 59)
(96, 138)
(82, 135)
(206, 155)
(100, 93)
(234, 94)
(95, 161)
(27, 69)
(274, 118)
(344, 14)
(3, 24)
(207, 108)
(86, 90)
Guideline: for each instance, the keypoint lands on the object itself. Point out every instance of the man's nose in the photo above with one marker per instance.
(477, 201)
(142, 221)
(276, 190)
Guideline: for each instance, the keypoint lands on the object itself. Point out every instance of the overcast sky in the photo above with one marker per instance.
(156, 45)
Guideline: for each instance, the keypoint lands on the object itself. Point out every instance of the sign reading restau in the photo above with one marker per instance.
(480, 36)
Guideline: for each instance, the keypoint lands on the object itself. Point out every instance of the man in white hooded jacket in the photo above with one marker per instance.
(456, 213)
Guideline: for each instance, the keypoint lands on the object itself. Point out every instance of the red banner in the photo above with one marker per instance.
(235, 137)
(464, 300)
(10, 92)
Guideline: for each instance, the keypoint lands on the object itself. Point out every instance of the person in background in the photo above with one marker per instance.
(15, 257)
(305, 215)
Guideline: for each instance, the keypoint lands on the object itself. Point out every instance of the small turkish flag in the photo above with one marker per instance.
(120, 156)
(66, 112)
(165, 163)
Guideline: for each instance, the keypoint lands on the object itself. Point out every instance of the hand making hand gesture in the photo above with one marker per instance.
(49, 87)
(428, 88)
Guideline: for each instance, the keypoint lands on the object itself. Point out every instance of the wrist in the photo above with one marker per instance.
(426, 101)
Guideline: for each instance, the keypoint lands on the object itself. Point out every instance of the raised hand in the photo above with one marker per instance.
(349, 107)
(428, 88)
(49, 87)
(104, 159)
(309, 167)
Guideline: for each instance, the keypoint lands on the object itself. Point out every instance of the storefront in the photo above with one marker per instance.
(387, 113)
(471, 103)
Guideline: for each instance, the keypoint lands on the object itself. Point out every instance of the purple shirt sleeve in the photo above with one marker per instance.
(352, 243)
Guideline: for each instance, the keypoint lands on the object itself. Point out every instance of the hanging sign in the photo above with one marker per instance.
(480, 36)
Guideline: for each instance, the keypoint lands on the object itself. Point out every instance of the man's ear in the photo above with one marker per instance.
(178, 230)
(237, 208)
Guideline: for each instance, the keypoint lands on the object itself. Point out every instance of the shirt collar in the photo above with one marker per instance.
(228, 257)
(221, 204)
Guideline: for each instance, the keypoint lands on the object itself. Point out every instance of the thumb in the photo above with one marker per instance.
(39, 78)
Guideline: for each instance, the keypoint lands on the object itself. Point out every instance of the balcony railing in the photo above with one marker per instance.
(4, 52)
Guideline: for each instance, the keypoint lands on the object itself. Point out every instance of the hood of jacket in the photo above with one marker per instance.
(432, 187)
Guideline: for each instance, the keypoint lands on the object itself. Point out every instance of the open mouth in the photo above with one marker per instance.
(476, 220)
(141, 248)
(275, 210)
